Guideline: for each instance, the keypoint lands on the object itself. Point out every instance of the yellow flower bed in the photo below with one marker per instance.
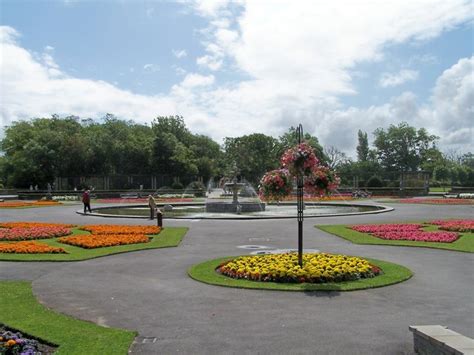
(317, 268)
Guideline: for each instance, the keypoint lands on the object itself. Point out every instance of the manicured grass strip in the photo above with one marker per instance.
(168, 237)
(21, 310)
(393, 273)
(465, 242)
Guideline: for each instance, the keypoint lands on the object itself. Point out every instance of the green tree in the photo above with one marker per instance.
(363, 146)
(174, 125)
(441, 173)
(288, 140)
(253, 154)
(402, 147)
(170, 156)
(208, 156)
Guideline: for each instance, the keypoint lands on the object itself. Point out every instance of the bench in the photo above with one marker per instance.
(439, 340)
(130, 195)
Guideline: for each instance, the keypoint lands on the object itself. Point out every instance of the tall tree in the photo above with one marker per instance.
(335, 158)
(288, 140)
(363, 146)
(253, 154)
(402, 147)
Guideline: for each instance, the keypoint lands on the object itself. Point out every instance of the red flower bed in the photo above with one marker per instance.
(33, 224)
(29, 248)
(16, 204)
(439, 201)
(419, 236)
(22, 233)
(99, 241)
(144, 200)
(459, 225)
(405, 232)
(383, 228)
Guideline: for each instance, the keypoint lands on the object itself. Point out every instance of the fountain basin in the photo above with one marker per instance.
(234, 207)
(272, 211)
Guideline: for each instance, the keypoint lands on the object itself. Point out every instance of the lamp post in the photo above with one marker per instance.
(299, 205)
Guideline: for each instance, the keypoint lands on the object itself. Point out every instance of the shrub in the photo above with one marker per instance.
(198, 188)
(177, 185)
(375, 181)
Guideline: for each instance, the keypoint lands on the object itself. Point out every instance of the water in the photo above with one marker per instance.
(287, 210)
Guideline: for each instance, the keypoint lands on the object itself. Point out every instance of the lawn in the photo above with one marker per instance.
(465, 243)
(392, 274)
(168, 237)
(21, 311)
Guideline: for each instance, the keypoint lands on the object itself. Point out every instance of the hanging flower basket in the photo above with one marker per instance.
(299, 160)
(275, 185)
(321, 181)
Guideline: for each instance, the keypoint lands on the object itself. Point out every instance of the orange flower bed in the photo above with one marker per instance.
(115, 229)
(16, 204)
(33, 225)
(29, 248)
(104, 240)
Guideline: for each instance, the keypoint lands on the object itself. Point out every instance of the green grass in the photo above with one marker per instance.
(168, 237)
(440, 189)
(393, 273)
(465, 243)
(21, 311)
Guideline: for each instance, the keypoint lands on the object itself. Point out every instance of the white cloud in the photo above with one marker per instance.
(28, 89)
(179, 53)
(448, 114)
(396, 79)
(193, 80)
(151, 68)
(297, 58)
(211, 62)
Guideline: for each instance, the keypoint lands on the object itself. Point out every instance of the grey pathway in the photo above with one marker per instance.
(149, 291)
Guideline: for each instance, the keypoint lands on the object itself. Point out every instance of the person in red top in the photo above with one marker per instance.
(86, 200)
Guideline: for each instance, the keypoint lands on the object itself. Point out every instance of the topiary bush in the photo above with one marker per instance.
(375, 181)
(177, 185)
(197, 188)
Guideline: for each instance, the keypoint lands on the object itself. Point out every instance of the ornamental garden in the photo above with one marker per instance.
(311, 271)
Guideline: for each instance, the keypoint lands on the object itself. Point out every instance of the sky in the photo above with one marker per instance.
(232, 68)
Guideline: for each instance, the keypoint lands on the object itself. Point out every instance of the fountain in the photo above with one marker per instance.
(236, 205)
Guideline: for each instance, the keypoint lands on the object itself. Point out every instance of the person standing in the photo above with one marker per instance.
(152, 205)
(86, 200)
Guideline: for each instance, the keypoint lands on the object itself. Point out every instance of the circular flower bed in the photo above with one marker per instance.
(317, 268)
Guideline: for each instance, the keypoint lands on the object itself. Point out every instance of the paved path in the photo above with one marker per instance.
(149, 291)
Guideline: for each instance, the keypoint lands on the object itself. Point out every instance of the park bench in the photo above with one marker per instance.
(439, 340)
(130, 195)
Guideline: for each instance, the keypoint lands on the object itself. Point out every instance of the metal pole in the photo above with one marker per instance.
(299, 205)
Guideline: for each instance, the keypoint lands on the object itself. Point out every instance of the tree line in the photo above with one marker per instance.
(36, 151)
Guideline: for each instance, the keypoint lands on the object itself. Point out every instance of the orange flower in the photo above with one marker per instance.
(115, 229)
(104, 240)
(33, 224)
(16, 204)
(29, 248)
